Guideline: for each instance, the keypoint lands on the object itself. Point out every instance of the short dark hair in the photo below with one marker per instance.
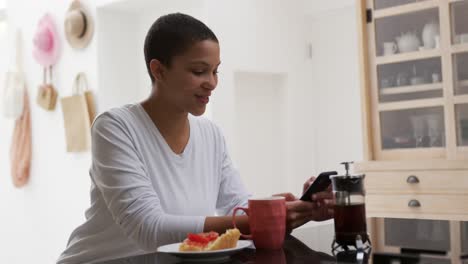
(171, 35)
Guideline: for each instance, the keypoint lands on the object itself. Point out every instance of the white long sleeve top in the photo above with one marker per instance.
(143, 195)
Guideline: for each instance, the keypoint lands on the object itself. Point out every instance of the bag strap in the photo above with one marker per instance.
(15, 63)
(80, 81)
(44, 77)
(17, 51)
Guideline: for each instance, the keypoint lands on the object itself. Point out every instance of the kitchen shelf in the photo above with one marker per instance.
(455, 1)
(403, 9)
(463, 151)
(411, 89)
(409, 154)
(460, 99)
(458, 48)
(409, 56)
(410, 104)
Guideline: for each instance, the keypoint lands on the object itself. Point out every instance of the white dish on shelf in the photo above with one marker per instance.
(204, 256)
(464, 38)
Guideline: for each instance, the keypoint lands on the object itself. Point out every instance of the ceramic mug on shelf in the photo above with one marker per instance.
(435, 77)
(389, 48)
(267, 221)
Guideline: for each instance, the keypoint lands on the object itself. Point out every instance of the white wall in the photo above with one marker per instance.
(121, 32)
(118, 81)
(259, 37)
(317, 97)
(335, 78)
(333, 91)
(260, 131)
(37, 219)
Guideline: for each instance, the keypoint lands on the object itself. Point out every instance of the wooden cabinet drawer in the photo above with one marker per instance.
(418, 206)
(436, 182)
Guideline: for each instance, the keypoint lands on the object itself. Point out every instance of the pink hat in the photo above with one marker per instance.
(46, 42)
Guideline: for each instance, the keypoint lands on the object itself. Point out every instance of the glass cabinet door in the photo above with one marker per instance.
(418, 234)
(413, 128)
(407, 32)
(409, 73)
(410, 80)
(461, 114)
(381, 4)
(464, 237)
(459, 33)
(459, 17)
(418, 53)
(459, 40)
(460, 73)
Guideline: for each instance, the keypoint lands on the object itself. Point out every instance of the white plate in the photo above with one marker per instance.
(204, 256)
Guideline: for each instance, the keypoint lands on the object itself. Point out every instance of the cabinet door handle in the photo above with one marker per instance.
(414, 203)
(412, 179)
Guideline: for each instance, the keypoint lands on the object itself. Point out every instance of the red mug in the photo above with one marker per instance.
(267, 221)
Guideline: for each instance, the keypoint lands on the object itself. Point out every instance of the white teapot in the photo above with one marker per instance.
(408, 42)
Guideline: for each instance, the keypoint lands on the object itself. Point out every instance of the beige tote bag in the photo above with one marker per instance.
(21, 146)
(78, 113)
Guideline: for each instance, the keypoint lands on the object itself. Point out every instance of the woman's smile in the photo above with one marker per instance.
(202, 99)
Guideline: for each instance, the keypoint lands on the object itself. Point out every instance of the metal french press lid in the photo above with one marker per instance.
(348, 182)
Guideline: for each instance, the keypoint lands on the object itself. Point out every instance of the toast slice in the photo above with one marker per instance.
(210, 241)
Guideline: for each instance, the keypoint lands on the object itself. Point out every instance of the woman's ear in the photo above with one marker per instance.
(157, 69)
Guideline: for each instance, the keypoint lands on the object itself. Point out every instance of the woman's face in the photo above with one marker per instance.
(187, 84)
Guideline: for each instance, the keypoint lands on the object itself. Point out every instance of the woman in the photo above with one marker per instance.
(159, 171)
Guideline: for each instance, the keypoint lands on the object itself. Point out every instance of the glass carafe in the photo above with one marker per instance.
(350, 209)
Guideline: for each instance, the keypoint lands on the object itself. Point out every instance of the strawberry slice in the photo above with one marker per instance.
(198, 238)
(203, 238)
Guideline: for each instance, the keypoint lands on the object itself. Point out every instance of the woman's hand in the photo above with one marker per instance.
(323, 201)
(300, 212)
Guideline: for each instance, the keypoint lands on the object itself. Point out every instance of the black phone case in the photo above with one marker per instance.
(320, 184)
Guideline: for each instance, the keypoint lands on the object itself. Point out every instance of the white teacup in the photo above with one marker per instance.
(389, 48)
(464, 38)
(435, 77)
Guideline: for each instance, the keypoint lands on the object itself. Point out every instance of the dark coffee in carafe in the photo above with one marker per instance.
(350, 221)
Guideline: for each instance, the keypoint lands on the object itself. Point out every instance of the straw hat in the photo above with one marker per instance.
(46, 42)
(79, 26)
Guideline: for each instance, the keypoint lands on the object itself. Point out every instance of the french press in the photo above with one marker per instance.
(350, 210)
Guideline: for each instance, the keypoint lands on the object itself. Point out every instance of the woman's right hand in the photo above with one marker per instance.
(323, 201)
(300, 212)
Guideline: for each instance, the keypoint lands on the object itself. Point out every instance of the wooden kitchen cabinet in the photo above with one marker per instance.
(414, 80)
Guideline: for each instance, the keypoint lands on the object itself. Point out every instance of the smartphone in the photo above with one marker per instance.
(320, 184)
